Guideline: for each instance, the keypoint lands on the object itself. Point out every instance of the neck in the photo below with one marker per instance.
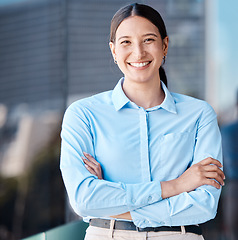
(146, 95)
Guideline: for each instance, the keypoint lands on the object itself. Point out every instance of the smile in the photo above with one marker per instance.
(139, 65)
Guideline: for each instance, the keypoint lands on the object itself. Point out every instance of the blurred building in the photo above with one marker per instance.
(53, 52)
(32, 53)
(33, 133)
(53, 49)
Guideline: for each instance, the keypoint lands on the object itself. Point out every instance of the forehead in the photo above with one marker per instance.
(136, 25)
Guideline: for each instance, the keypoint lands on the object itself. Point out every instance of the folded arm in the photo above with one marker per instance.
(199, 205)
(187, 186)
(193, 197)
(88, 195)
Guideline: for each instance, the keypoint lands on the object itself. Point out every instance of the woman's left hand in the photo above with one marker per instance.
(92, 165)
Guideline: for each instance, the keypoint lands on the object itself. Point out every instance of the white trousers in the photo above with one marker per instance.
(96, 233)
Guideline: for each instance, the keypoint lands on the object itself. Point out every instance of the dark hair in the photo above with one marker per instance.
(143, 11)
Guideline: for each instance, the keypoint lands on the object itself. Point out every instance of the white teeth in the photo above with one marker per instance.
(139, 64)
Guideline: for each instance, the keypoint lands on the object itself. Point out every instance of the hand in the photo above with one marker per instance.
(92, 165)
(206, 172)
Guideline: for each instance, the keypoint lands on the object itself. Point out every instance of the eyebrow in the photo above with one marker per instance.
(149, 34)
(123, 37)
(145, 35)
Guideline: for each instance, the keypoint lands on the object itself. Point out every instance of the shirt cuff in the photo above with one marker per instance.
(142, 194)
(154, 215)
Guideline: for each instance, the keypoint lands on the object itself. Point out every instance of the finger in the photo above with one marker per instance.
(85, 160)
(92, 159)
(210, 160)
(87, 155)
(214, 168)
(89, 163)
(97, 169)
(213, 183)
(94, 171)
(90, 170)
(216, 176)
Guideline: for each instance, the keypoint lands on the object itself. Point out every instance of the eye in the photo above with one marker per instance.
(148, 40)
(125, 42)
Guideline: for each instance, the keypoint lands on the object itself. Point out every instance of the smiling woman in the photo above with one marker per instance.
(140, 162)
(147, 13)
(139, 52)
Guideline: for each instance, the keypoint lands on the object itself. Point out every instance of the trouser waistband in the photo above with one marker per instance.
(127, 225)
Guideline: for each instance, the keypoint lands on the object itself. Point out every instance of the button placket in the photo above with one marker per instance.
(145, 167)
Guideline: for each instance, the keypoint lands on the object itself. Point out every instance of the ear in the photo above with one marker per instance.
(112, 47)
(165, 45)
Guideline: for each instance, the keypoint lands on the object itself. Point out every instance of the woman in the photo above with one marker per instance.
(159, 152)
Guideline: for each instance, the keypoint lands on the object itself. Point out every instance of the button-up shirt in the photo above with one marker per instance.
(138, 149)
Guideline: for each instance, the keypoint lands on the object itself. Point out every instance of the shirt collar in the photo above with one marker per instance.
(119, 99)
(168, 103)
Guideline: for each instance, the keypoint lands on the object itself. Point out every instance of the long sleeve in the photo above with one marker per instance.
(138, 149)
(193, 207)
(88, 195)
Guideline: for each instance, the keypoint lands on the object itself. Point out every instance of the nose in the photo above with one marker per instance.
(139, 51)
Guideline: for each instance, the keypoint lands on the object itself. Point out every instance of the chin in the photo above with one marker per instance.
(140, 78)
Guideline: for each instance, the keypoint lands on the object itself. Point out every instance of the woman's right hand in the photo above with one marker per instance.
(206, 172)
(92, 165)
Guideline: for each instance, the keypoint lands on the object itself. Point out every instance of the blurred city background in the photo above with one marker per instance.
(53, 52)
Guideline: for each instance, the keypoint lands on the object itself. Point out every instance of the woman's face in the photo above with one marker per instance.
(139, 49)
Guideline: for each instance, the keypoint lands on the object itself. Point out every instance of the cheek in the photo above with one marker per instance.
(158, 54)
(121, 61)
(157, 49)
(122, 53)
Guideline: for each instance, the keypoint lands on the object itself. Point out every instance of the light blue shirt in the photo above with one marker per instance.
(138, 149)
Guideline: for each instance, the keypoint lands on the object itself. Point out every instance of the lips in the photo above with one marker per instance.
(139, 64)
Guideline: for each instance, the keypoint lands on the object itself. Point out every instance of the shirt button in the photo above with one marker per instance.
(161, 223)
(150, 199)
(133, 200)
